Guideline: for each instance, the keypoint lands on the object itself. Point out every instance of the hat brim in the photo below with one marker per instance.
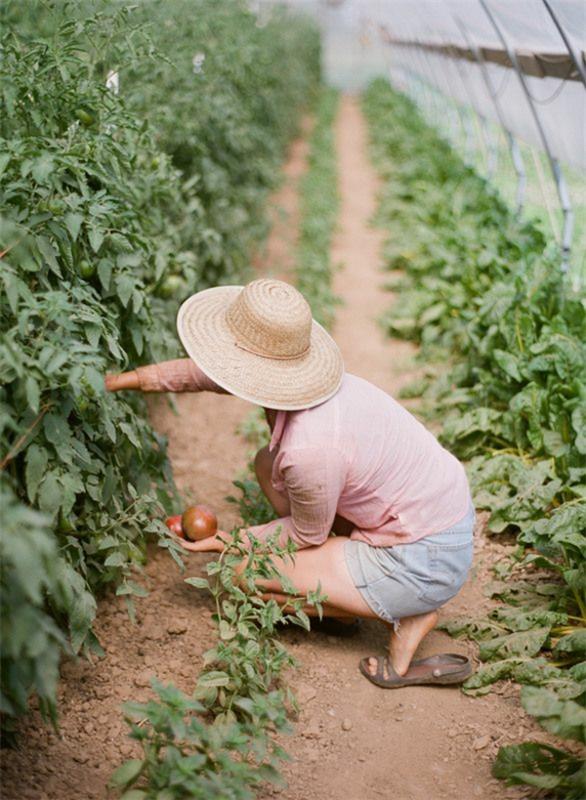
(288, 385)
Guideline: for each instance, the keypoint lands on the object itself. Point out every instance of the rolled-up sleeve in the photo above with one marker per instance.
(178, 375)
(313, 479)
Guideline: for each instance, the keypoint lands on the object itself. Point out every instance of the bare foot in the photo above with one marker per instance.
(404, 642)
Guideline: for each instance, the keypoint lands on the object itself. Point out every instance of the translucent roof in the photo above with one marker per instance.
(527, 23)
(495, 90)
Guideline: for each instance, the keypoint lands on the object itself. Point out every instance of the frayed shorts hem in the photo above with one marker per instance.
(415, 578)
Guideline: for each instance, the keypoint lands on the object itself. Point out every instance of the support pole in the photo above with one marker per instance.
(516, 156)
(558, 175)
(487, 138)
(574, 55)
(483, 125)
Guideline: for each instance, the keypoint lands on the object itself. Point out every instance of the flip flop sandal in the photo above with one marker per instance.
(440, 670)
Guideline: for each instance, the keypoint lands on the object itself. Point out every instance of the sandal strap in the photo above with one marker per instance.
(381, 663)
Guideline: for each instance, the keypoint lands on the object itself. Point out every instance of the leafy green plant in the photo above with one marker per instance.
(542, 766)
(481, 290)
(559, 773)
(220, 61)
(319, 209)
(74, 226)
(220, 741)
(31, 568)
(113, 207)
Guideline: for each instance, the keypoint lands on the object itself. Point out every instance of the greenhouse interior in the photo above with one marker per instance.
(293, 399)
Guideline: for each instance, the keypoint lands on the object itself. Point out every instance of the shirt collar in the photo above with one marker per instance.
(280, 421)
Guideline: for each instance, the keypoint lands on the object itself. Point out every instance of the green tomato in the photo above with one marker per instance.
(86, 116)
(170, 286)
(86, 268)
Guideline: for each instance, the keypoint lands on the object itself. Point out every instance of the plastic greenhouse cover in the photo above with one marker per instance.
(524, 24)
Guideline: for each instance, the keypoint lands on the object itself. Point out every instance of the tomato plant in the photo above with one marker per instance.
(113, 207)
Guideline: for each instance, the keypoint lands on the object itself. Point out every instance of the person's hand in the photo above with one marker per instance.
(210, 544)
(118, 382)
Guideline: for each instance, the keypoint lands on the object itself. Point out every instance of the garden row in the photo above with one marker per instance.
(483, 295)
(137, 146)
(220, 741)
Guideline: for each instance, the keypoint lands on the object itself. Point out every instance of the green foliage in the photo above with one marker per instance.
(219, 742)
(319, 209)
(480, 289)
(114, 207)
(223, 104)
(32, 642)
(561, 773)
(544, 767)
(248, 658)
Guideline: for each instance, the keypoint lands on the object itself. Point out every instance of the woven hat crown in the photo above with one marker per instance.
(271, 319)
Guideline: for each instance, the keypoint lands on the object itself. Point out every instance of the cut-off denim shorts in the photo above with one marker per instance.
(414, 578)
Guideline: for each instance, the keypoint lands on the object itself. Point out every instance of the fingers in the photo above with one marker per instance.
(110, 382)
(215, 543)
(196, 547)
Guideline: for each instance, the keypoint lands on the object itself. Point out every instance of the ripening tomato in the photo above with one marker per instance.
(199, 522)
(175, 526)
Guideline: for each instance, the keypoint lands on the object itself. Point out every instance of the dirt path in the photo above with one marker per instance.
(352, 741)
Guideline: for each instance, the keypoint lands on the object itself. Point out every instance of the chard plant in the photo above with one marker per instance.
(502, 336)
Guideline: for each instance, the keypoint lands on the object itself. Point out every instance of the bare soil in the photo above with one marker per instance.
(352, 741)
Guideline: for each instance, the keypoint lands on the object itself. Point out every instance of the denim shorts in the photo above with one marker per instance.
(413, 578)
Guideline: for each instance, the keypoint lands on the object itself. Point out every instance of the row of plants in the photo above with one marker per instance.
(502, 338)
(319, 205)
(220, 742)
(137, 147)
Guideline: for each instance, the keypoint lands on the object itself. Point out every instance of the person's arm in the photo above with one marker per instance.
(178, 375)
(314, 479)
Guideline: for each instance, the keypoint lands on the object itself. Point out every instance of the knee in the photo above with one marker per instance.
(263, 465)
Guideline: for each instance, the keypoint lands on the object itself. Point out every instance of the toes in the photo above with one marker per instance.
(371, 665)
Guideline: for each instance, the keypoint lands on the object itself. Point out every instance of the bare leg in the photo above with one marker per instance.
(402, 643)
(285, 601)
(326, 565)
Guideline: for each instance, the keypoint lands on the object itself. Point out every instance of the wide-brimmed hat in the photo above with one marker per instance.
(259, 342)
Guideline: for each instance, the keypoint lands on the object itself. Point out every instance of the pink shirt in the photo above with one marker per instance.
(360, 455)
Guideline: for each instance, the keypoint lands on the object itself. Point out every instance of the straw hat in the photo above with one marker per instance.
(259, 342)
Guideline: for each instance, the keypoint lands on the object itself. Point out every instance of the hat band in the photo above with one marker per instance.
(274, 358)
